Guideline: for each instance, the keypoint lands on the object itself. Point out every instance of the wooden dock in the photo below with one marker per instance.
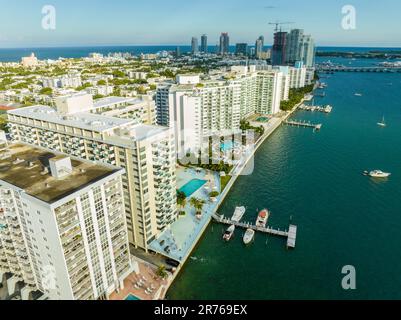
(305, 124)
(325, 109)
(291, 234)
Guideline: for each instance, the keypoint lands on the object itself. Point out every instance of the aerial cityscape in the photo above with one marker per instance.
(260, 164)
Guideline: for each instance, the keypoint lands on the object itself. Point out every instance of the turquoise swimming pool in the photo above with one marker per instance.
(192, 186)
(132, 297)
(229, 145)
(262, 119)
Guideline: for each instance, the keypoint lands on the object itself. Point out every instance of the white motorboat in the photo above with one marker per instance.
(262, 218)
(358, 94)
(229, 233)
(377, 174)
(249, 236)
(238, 214)
(382, 123)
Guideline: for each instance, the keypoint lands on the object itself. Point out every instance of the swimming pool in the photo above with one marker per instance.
(192, 186)
(262, 119)
(229, 145)
(132, 297)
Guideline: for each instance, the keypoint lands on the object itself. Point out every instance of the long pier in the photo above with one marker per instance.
(303, 124)
(291, 235)
(358, 69)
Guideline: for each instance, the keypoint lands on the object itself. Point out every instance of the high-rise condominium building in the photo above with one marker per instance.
(224, 43)
(146, 152)
(279, 48)
(241, 49)
(259, 45)
(300, 47)
(62, 224)
(204, 43)
(200, 109)
(194, 45)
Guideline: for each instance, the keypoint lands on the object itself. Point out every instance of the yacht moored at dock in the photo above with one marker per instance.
(262, 218)
(229, 233)
(249, 236)
(238, 214)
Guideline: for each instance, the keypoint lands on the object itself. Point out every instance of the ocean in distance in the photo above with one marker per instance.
(15, 54)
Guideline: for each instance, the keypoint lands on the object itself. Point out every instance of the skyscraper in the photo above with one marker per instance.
(241, 49)
(259, 45)
(300, 47)
(279, 48)
(204, 43)
(194, 45)
(224, 43)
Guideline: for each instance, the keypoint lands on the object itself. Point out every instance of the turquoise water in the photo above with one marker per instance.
(343, 217)
(226, 146)
(192, 186)
(262, 119)
(132, 297)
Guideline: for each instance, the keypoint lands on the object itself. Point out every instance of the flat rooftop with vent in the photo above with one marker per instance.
(45, 175)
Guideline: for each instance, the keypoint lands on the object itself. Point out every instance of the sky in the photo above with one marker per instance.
(174, 22)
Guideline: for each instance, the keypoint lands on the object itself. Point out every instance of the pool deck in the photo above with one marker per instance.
(147, 271)
(184, 233)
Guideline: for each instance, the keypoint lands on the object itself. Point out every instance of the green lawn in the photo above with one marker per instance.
(224, 181)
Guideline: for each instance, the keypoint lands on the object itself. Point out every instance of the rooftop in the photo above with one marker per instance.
(109, 101)
(83, 120)
(142, 131)
(28, 173)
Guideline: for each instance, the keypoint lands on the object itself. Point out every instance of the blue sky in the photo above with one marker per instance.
(157, 22)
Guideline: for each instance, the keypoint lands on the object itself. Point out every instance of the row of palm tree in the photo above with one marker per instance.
(198, 204)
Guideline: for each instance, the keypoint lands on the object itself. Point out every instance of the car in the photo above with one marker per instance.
(172, 263)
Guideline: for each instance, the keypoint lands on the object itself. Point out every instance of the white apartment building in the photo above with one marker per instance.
(146, 152)
(100, 90)
(137, 75)
(199, 109)
(66, 81)
(297, 76)
(310, 76)
(142, 109)
(62, 224)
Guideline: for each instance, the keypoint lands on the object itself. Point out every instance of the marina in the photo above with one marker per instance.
(291, 234)
(325, 109)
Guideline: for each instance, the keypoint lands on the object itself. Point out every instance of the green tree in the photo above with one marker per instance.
(47, 91)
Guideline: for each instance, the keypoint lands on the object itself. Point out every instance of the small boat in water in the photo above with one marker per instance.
(382, 123)
(229, 233)
(358, 94)
(238, 214)
(249, 236)
(262, 218)
(377, 174)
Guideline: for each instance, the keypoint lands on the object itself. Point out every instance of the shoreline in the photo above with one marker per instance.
(227, 190)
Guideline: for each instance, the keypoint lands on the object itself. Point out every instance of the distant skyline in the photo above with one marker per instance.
(126, 22)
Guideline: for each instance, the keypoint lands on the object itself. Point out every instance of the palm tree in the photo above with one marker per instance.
(181, 199)
(198, 205)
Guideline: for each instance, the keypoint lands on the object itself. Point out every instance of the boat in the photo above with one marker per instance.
(377, 174)
(262, 218)
(249, 236)
(238, 214)
(358, 94)
(382, 123)
(229, 233)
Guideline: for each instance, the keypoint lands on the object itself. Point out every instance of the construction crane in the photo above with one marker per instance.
(277, 24)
